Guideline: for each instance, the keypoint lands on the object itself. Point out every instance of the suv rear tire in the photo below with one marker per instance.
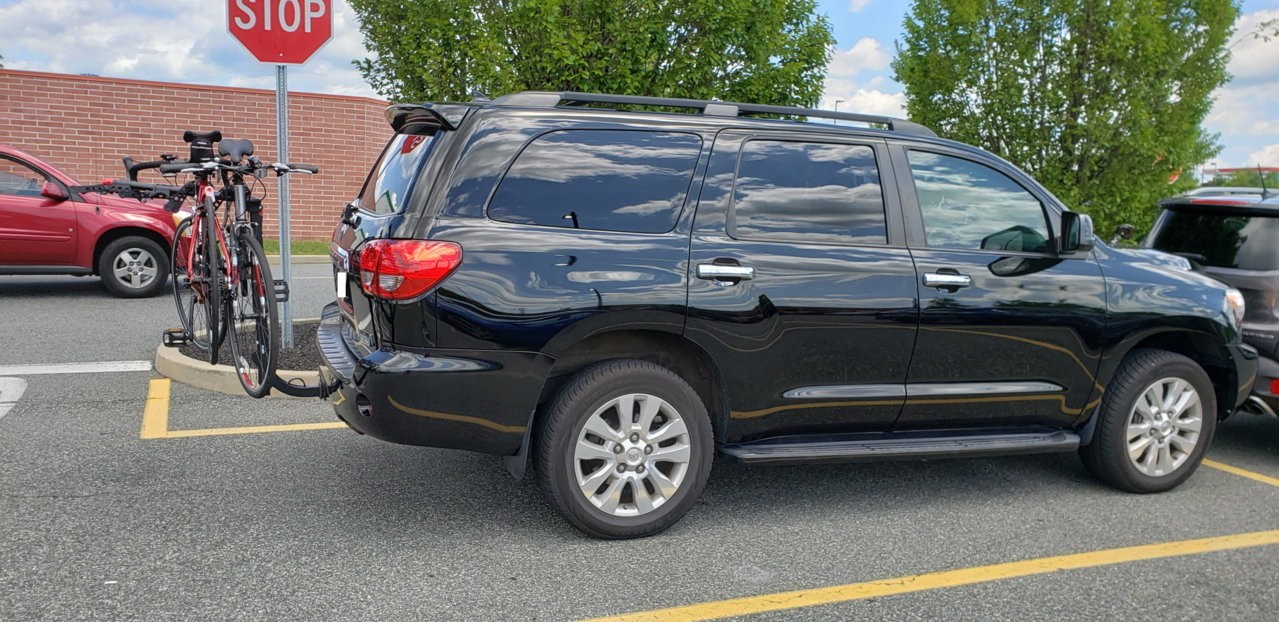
(625, 449)
(1156, 422)
(134, 267)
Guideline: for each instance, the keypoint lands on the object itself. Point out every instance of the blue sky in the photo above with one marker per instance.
(186, 41)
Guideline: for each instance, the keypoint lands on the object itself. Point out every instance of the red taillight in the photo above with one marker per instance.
(1274, 386)
(404, 269)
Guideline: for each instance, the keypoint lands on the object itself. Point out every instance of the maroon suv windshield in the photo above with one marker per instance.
(1232, 239)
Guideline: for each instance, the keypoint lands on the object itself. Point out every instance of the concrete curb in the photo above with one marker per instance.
(171, 363)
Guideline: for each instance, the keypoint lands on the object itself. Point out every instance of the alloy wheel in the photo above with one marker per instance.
(1164, 426)
(632, 454)
(135, 268)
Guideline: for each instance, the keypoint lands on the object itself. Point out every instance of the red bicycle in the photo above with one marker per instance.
(222, 283)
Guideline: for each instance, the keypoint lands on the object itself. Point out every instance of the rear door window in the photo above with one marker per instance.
(808, 192)
(610, 180)
(1221, 239)
(390, 184)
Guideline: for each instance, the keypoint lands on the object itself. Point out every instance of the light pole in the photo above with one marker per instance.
(837, 103)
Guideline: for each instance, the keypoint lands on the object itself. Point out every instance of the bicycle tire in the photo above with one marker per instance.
(216, 267)
(189, 298)
(253, 321)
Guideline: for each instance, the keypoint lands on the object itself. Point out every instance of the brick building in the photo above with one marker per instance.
(85, 124)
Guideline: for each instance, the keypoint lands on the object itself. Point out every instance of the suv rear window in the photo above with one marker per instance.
(391, 181)
(1221, 239)
(808, 192)
(609, 180)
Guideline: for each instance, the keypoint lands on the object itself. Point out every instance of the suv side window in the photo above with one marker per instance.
(609, 180)
(808, 192)
(20, 180)
(969, 205)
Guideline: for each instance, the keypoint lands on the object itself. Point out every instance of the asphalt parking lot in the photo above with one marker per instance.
(126, 496)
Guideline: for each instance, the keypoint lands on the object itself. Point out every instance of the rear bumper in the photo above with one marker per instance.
(477, 400)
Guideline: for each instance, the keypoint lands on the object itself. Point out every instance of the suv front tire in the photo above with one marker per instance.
(1155, 424)
(626, 448)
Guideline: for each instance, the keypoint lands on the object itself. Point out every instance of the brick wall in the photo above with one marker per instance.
(85, 124)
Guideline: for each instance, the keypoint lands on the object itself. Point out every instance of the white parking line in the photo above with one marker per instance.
(10, 390)
(74, 368)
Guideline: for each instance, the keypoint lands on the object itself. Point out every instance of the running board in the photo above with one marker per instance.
(899, 446)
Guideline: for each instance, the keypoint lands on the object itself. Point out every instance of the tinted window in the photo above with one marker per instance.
(391, 181)
(599, 179)
(808, 192)
(19, 180)
(1224, 240)
(970, 205)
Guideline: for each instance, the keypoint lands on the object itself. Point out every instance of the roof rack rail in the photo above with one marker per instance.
(545, 99)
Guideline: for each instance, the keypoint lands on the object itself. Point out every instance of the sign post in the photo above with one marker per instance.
(282, 32)
(286, 240)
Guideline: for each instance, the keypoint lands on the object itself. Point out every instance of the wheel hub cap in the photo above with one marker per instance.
(1163, 426)
(632, 455)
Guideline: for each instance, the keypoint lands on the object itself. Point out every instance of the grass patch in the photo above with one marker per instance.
(299, 247)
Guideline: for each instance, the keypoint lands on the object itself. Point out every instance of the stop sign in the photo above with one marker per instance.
(282, 32)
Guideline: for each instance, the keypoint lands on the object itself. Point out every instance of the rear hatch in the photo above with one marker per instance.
(390, 205)
(1236, 241)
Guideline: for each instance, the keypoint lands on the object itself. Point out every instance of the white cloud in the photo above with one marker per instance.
(1266, 156)
(857, 5)
(1253, 59)
(1246, 110)
(166, 40)
(866, 54)
(856, 81)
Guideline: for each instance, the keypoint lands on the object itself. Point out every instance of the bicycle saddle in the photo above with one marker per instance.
(236, 149)
(201, 144)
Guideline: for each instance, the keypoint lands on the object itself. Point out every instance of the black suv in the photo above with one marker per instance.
(614, 292)
(1234, 238)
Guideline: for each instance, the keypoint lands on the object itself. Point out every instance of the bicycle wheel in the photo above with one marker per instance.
(216, 268)
(189, 285)
(253, 323)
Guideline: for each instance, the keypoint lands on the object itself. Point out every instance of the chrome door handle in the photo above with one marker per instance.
(943, 280)
(721, 271)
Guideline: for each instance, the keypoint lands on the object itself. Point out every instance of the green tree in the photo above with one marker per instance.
(1100, 100)
(766, 51)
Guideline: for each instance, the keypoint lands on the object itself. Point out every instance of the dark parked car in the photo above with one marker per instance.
(1233, 238)
(613, 295)
(48, 228)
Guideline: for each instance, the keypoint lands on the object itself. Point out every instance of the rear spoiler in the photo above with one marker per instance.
(424, 118)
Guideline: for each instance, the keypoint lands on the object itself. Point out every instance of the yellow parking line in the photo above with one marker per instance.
(155, 419)
(155, 416)
(950, 578)
(257, 429)
(1265, 479)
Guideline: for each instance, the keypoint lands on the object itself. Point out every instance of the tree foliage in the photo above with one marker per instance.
(768, 51)
(1100, 100)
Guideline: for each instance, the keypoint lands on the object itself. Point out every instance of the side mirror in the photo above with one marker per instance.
(53, 192)
(1076, 233)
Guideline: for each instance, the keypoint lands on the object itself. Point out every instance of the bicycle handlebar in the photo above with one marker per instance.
(132, 167)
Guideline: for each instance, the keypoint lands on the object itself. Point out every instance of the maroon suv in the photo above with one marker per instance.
(45, 228)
